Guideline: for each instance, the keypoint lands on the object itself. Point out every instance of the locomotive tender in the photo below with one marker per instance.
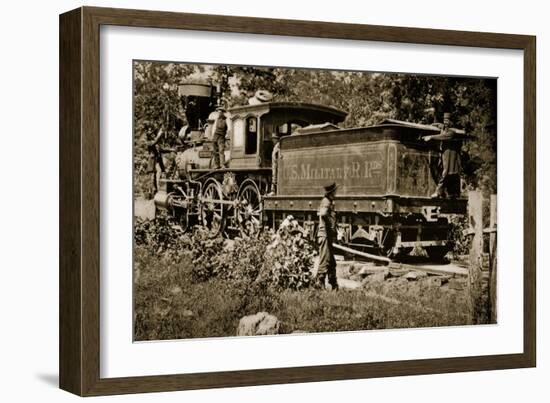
(385, 173)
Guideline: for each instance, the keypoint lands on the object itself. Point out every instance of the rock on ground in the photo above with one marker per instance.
(144, 209)
(378, 277)
(414, 275)
(259, 324)
(348, 284)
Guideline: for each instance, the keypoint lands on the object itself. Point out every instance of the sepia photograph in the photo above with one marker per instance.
(278, 201)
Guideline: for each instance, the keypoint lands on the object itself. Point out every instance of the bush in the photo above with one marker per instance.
(206, 253)
(289, 258)
(457, 235)
(249, 272)
(163, 237)
(271, 260)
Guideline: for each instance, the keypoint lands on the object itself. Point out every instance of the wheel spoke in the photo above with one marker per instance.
(212, 211)
(250, 212)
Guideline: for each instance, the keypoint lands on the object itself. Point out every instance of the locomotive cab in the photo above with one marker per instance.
(254, 126)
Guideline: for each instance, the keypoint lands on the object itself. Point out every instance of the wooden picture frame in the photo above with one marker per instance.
(79, 201)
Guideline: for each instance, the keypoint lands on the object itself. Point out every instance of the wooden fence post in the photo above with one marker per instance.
(475, 287)
(493, 261)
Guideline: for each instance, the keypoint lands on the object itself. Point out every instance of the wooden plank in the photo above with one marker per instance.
(492, 285)
(475, 219)
(70, 210)
(362, 254)
(449, 269)
(530, 204)
(90, 201)
(493, 222)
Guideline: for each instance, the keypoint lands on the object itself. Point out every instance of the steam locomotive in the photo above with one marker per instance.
(386, 174)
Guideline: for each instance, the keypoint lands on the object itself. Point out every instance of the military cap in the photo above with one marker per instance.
(330, 188)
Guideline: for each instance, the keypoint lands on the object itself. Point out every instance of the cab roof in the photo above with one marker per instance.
(329, 114)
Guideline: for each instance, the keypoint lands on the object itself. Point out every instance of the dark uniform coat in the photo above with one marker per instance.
(450, 161)
(218, 141)
(450, 154)
(326, 235)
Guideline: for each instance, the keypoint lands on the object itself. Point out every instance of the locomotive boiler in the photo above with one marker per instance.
(386, 174)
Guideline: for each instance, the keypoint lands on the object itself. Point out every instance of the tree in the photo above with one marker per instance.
(367, 97)
(156, 101)
(472, 103)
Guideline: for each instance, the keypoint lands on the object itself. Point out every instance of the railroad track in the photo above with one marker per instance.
(452, 269)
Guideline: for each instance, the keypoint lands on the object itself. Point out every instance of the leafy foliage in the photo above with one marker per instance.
(206, 253)
(156, 106)
(271, 260)
(156, 101)
(161, 237)
(461, 241)
(472, 103)
(289, 258)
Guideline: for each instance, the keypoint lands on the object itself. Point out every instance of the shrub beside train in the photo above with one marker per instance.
(385, 173)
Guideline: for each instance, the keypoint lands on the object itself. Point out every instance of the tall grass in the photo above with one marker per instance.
(170, 304)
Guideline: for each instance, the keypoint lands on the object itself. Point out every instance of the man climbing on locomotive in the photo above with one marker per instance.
(450, 145)
(218, 139)
(326, 235)
(155, 163)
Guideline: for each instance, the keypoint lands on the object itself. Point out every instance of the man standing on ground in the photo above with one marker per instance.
(449, 182)
(218, 139)
(325, 237)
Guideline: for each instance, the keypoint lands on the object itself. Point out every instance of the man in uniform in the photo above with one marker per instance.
(449, 182)
(325, 237)
(275, 155)
(155, 163)
(218, 139)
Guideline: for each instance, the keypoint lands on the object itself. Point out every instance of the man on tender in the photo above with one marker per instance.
(450, 145)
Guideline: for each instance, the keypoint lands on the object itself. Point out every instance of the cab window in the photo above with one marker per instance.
(289, 128)
(251, 143)
(282, 129)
